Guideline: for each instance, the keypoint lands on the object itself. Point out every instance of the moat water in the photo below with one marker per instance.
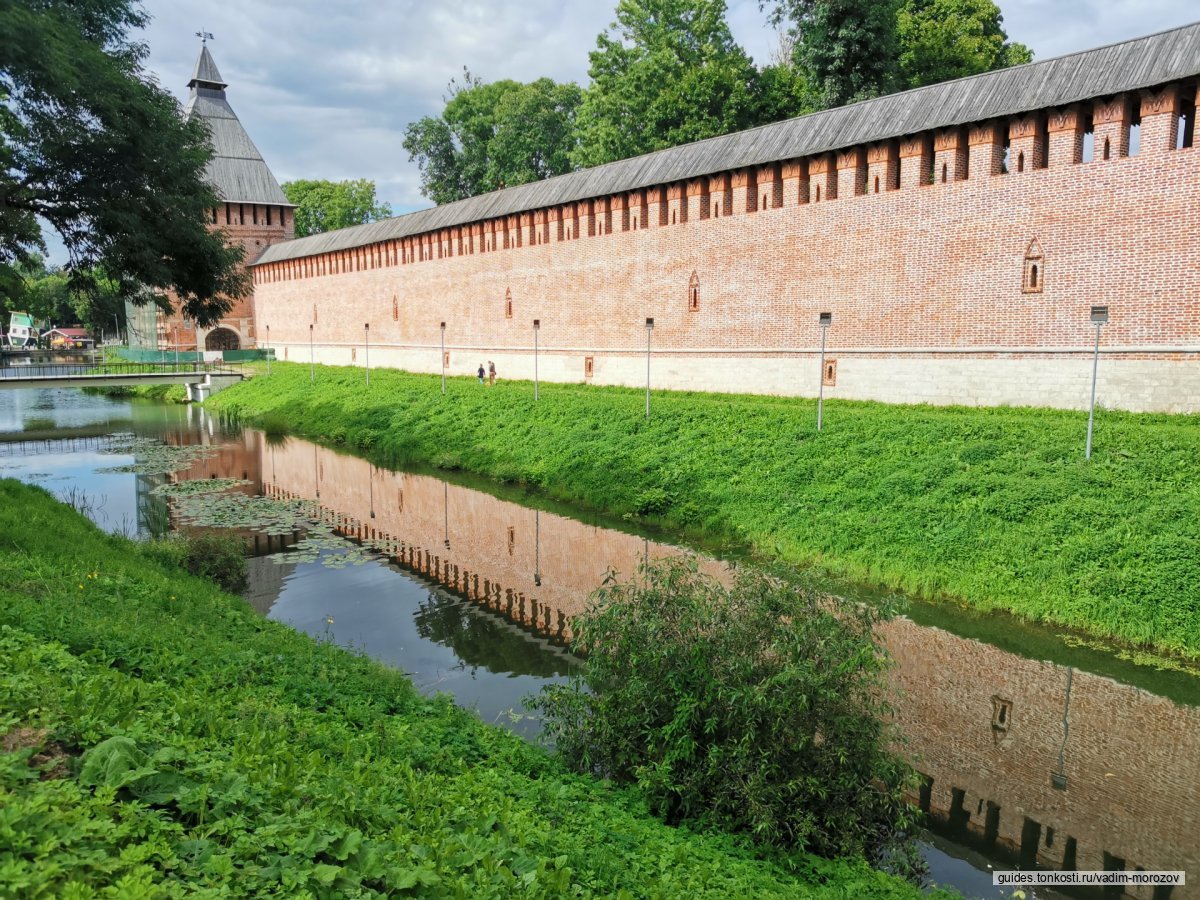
(1037, 750)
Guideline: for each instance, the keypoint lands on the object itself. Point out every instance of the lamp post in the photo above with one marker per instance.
(537, 325)
(367, 350)
(824, 320)
(268, 349)
(649, 330)
(443, 358)
(1099, 319)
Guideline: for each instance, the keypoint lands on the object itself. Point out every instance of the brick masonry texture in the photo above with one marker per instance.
(1128, 755)
(928, 283)
(255, 227)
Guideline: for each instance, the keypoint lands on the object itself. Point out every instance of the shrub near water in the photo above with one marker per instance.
(756, 707)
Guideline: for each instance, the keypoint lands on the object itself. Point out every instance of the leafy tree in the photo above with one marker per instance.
(534, 134)
(56, 297)
(846, 49)
(757, 707)
(494, 135)
(95, 148)
(328, 205)
(944, 39)
(665, 73)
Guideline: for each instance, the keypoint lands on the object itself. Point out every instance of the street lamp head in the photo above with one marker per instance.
(537, 580)
(443, 326)
(1099, 315)
(537, 323)
(366, 326)
(825, 319)
(310, 327)
(649, 322)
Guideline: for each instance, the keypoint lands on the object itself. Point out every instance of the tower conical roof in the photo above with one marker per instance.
(205, 73)
(237, 170)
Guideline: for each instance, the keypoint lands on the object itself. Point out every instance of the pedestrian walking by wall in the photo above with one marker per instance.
(491, 373)
(480, 373)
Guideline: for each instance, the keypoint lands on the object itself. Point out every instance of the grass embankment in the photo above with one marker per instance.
(159, 738)
(993, 507)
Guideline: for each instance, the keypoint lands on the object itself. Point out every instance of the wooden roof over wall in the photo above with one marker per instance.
(1131, 65)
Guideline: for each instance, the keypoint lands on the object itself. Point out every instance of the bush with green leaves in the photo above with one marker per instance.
(215, 555)
(757, 707)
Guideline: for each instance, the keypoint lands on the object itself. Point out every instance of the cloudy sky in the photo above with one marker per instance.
(325, 89)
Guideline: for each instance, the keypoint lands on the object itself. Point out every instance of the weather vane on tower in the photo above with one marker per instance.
(205, 36)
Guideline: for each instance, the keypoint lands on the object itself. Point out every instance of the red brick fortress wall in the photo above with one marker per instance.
(951, 277)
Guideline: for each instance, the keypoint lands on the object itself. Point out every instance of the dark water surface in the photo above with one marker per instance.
(1035, 749)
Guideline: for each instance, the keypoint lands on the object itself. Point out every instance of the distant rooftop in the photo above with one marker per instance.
(237, 170)
(1130, 65)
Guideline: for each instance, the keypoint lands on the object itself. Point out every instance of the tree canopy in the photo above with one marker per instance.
(494, 135)
(666, 72)
(850, 50)
(944, 39)
(328, 205)
(93, 147)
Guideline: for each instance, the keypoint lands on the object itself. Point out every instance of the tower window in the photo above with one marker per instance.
(694, 293)
(508, 303)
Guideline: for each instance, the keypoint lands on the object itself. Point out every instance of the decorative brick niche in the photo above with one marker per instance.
(1034, 275)
(589, 366)
(829, 373)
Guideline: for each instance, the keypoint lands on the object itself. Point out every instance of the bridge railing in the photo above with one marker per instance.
(78, 369)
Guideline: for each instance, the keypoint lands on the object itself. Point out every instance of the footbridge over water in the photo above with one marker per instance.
(201, 379)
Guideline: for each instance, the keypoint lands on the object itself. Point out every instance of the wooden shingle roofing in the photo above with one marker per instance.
(1127, 66)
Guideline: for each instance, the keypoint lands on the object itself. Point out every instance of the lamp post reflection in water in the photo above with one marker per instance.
(446, 514)
(537, 548)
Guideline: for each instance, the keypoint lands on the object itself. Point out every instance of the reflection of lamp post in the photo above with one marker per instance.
(316, 472)
(371, 488)
(446, 514)
(537, 548)
(1099, 318)
(537, 324)
(825, 320)
(367, 350)
(312, 358)
(649, 329)
(443, 357)
(1058, 779)
(268, 349)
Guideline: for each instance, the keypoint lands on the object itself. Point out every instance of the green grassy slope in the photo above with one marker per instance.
(994, 507)
(160, 739)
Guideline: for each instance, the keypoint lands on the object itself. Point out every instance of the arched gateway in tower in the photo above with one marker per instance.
(254, 211)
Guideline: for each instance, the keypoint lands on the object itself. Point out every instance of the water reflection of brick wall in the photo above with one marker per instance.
(495, 548)
(985, 726)
(1131, 760)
